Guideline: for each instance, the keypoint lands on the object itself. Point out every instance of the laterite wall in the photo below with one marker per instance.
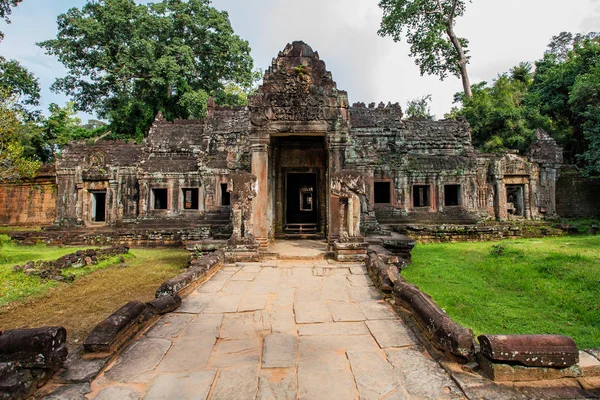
(29, 203)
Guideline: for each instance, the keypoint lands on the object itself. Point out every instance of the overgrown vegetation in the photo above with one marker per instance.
(527, 286)
(561, 95)
(27, 301)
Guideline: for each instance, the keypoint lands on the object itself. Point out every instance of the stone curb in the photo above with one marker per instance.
(119, 327)
(502, 358)
(112, 334)
(439, 328)
(198, 269)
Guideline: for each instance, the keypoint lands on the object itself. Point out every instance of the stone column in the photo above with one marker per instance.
(500, 200)
(334, 226)
(112, 212)
(526, 202)
(260, 204)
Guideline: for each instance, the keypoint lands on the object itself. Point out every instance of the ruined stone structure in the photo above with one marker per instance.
(296, 137)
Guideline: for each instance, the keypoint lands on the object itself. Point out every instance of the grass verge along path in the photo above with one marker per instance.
(80, 305)
(528, 286)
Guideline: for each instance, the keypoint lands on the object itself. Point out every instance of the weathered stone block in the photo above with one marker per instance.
(114, 330)
(530, 350)
(15, 383)
(164, 304)
(502, 372)
(34, 348)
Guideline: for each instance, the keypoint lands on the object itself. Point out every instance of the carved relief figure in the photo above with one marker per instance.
(351, 187)
(243, 188)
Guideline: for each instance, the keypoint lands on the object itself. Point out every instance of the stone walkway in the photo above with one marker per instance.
(278, 330)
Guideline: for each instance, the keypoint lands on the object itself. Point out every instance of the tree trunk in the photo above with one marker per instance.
(462, 61)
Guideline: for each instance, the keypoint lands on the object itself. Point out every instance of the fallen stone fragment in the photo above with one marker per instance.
(531, 350)
(115, 329)
(34, 348)
(164, 304)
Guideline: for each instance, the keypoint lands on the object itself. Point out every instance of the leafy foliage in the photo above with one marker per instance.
(428, 26)
(419, 108)
(128, 61)
(565, 90)
(13, 162)
(22, 84)
(497, 113)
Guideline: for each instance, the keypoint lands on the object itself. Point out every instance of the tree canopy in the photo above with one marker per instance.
(127, 61)
(21, 84)
(428, 26)
(561, 96)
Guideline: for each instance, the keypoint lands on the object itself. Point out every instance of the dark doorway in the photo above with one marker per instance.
(382, 192)
(161, 197)
(451, 195)
(514, 200)
(302, 199)
(190, 199)
(225, 195)
(99, 206)
(421, 197)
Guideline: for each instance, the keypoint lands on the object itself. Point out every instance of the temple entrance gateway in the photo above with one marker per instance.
(299, 178)
(99, 206)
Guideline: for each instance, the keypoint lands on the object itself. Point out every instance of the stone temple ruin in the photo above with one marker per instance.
(323, 168)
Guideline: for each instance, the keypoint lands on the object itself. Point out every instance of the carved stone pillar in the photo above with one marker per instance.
(260, 205)
(526, 202)
(500, 200)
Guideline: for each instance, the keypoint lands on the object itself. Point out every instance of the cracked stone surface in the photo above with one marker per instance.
(289, 330)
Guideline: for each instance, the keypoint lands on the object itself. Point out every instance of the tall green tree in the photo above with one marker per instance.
(428, 26)
(498, 116)
(127, 61)
(564, 90)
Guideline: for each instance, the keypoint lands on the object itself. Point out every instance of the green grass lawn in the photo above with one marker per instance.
(549, 285)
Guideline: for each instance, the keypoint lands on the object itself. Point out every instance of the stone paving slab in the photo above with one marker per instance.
(438, 385)
(375, 377)
(239, 383)
(311, 312)
(170, 326)
(280, 351)
(333, 328)
(138, 361)
(326, 378)
(391, 333)
(342, 311)
(186, 385)
(377, 310)
(180, 358)
(277, 384)
(305, 329)
(232, 353)
(118, 392)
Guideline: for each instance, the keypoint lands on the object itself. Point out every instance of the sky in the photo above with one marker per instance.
(502, 33)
